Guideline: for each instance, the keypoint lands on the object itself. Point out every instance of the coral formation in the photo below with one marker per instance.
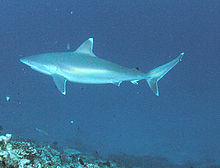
(24, 153)
(28, 154)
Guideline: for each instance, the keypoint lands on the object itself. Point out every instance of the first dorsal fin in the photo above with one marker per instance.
(86, 47)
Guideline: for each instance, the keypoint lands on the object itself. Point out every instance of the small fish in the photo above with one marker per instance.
(41, 131)
(68, 46)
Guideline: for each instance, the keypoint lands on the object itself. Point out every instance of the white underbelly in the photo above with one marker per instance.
(94, 76)
(95, 79)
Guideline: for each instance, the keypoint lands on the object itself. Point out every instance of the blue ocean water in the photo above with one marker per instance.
(182, 124)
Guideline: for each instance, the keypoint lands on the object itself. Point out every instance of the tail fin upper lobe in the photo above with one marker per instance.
(156, 74)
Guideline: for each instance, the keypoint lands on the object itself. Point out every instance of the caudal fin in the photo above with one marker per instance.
(156, 74)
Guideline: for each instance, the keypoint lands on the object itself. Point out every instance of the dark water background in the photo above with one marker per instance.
(183, 123)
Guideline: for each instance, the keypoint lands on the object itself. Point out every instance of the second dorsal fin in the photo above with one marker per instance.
(86, 48)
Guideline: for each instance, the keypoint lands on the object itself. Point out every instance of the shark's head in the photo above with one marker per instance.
(34, 60)
(26, 61)
(38, 63)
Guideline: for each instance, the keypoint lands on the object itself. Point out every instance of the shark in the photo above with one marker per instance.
(83, 66)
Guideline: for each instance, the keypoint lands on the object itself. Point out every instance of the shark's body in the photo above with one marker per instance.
(82, 66)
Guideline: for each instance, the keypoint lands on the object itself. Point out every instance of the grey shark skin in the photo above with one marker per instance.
(83, 66)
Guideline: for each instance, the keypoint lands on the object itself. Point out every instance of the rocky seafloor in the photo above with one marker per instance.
(25, 153)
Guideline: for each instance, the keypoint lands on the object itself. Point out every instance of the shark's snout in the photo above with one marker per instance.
(24, 60)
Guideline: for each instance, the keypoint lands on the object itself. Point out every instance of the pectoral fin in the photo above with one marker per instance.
(60, 83)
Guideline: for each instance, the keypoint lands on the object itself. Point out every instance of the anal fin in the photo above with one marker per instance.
(134, 82)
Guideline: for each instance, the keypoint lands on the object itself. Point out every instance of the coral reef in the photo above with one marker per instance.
(29, 154)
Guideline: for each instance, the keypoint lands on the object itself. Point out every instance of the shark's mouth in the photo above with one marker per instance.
(44, 69)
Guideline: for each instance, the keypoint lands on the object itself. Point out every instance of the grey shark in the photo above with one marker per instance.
(83, 66)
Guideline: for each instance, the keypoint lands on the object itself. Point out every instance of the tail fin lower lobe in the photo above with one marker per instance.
(156, 74)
